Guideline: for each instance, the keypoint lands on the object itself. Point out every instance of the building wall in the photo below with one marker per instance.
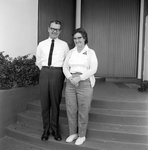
(13, 102)
(18, 27)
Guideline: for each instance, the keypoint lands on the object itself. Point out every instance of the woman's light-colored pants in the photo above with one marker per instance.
(78, 103)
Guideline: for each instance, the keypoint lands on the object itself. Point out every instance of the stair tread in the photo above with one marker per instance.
(141, 130)
(104, 111)
(95, 130)
(34, 133)
(116, 112)
(95, 116)
(8, 143)
(114, 104)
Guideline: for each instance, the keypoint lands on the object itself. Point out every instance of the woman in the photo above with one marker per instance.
(79, 68)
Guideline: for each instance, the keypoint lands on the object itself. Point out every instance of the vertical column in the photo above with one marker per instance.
(145, 68)
(140, 73)
(78, 14)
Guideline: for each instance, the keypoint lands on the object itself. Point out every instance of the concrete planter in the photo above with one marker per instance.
(14, 101)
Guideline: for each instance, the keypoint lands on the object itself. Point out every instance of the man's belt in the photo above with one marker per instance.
(52, 67)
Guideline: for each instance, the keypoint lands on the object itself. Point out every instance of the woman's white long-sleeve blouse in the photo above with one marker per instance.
(84, 62)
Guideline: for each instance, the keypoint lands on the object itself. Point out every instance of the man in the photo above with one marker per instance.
(51, 78)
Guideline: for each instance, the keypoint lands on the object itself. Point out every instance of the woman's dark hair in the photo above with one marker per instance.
(82, 32)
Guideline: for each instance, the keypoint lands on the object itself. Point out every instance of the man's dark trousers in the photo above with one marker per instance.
(51, 83)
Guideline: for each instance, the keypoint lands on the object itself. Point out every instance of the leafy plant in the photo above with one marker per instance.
(18, 72)
(143, 86)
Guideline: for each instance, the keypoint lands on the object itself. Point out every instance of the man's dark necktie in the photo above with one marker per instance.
(50, 53)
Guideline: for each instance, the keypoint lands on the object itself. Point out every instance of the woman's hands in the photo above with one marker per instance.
(75, 80)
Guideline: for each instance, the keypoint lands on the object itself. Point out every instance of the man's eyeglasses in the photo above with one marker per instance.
(78, 38)
(54, 29)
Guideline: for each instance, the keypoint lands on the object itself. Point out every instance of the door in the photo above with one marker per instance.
(62, 10)
(112, 27)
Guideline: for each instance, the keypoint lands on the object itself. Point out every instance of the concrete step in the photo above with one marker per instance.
(36, 118)
(8, 143)
(102, 131)
(116, 104)
(105, 115)
(112, 108)
(31, 135)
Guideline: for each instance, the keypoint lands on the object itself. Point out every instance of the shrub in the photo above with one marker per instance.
(143, 86)
(18, 72)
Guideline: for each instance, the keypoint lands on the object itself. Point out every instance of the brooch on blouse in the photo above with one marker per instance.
(85, 53)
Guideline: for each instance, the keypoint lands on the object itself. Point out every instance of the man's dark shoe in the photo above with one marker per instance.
(45, 136)
(57, 136)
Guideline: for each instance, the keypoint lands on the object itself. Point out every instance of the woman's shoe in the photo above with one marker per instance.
(71, 138)
(80, 140)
